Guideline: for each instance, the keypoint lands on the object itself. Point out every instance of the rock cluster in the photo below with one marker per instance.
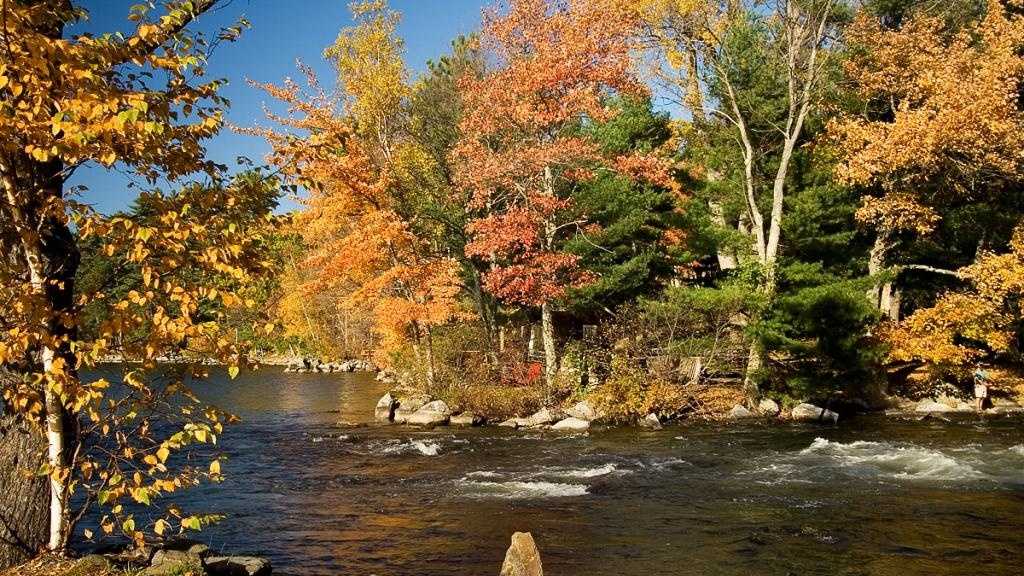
(177, 557)
(316, 365)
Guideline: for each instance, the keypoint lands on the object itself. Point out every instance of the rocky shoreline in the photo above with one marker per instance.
(417, 409)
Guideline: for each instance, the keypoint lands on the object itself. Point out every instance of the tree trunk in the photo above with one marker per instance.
(547, 326)
(429, 348)
(24, 495)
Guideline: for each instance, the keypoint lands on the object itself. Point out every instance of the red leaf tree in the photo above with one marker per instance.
(523, 146)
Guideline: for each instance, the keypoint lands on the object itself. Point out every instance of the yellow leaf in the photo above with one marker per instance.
(233, 372)
(215, 467)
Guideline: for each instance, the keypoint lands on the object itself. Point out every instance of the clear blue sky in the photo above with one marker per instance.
(283, 31)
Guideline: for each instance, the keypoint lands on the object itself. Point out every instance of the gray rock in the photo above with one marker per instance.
(739, 411)
(542, 417)
(181, 551)
(238, 566)
(810, 413)
(90, 565)
(583, 411)
(928, 406)
(385, 409)
(510, 423)
(571, 423)
(434, 413)
(522, 558)
(651, 421)
(408, 406)
(175, 569)
(768, 407)
(466, 419)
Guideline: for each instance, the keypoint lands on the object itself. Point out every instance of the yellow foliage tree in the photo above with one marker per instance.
(140, 101)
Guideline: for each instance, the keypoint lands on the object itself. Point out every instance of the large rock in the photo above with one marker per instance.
(434, 413)
(90, 566)
(542, 417)
(178, 557)
(181, 551)
(810, 413)
(582, 410)
(651, 421)
(238, 566)
(571, 423)
(768, 407)
(407, 406)
(466, 419)
(385, 410)
(739, 411)
(522, 558)
(929, 406)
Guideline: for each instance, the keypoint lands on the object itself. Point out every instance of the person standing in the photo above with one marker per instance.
(980, 387)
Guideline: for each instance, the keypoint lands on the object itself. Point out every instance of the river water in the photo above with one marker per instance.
(317, 487)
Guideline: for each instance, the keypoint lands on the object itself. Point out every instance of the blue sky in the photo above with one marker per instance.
(283, 31)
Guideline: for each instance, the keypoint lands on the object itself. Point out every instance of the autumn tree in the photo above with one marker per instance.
(349, 153)
(520, 158)
(713, 50)
(140, 101)
(937, 143)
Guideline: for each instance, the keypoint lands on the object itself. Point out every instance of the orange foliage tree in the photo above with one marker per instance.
(141, 101)
(361, 246)
(950, 131)
(521, 151)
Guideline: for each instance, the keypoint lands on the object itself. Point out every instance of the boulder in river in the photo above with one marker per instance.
(510, 423)
(385, 410)
(238, 566)
(522, 558)
(466, 419)
(768, 407)
(740, 411)
(408, 405)
(571, 423)
(928, 406)
(651, 421)
(434, 413)
(810, 413)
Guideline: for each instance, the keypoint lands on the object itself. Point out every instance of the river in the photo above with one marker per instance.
(317, 487)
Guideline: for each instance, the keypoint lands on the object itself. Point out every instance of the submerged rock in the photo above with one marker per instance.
(385, 410)
(740, 411)
(768, 407)
(522, 558)
(466, 419)
(238, 566)
(810, 413)
(651, 421)
(928, 406)
(571, 423)
(434, 413)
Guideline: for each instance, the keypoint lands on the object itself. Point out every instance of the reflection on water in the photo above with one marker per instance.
(317, 487)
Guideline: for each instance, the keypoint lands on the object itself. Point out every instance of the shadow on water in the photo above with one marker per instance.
(321, 490)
